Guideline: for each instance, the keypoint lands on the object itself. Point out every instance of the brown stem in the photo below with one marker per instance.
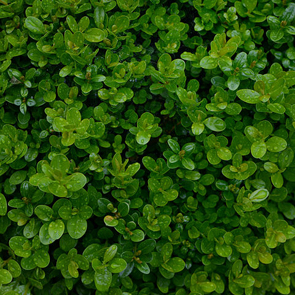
(173, 127)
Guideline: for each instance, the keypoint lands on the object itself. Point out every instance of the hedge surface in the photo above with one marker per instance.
(147, 147)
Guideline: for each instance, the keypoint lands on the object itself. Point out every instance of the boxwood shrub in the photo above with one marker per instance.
(147, 147)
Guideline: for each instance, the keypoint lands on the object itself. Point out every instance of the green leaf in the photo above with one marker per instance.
(233, 83)
(110, 221)
(75, 181)
(137, 235)
(60, 163)
(56, 229)
(265, 257)
(5, 276)
(99, 15)
(224, 153)
(143, 268)
(277, 89)
(207, 287)
(215, 124)
(32, 228)
(174, 265)
(270, 167)
(253, 260)
(72, 23)
(59, 124)
(209, 3)
(276, 35)
(86, 88)
(83, 23)
(209, 63)
(110, 253)
(3, 205)
(223, 250)
(18, 177)
(73, 269)
(143, 137)
(245, 281)
(277, 180)
(117, 265)
(174, 146)
(243, 247)
(276, 144)
(147, 246)
(57, 189)
(21, 246)
(258, 149)
(164, 221)
(41, 258)
(121, 24)
(286, 158)
(14, 268)
(34, 25)
(44, 212)
(73, 116)
(149, 163)
(265, 128)
(65, 71)
(198, 128)
(249, 96)
(167, 251)
(188, 163)
(102, 279)
(76, 227)
(94, 35)
(45, 238)
(250, 5)
(129, 5)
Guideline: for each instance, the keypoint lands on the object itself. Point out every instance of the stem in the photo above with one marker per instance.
(28, 284)
(3, 2)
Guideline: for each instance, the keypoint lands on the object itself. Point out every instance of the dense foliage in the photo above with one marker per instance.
(147, 147)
